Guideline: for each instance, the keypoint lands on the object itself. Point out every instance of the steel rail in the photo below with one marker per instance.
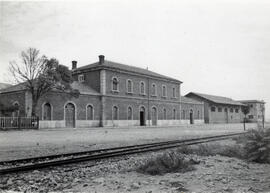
(119, 152)
(48, 157)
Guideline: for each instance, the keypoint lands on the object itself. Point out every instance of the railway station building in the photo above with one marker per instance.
(111, 94)
(218, 109)
(256, 110)
(192, 111)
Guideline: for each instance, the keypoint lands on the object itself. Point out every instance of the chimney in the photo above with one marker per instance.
(74, 64)
(101, 59)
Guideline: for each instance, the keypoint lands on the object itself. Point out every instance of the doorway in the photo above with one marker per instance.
(142, 116)
(191, 120)
(70, 115)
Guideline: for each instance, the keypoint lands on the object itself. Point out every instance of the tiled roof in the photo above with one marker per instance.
(4, 85)
(251, 101)
(114, 65)
(189, 100)
(13, 88)
(83, 89)
(216, 99)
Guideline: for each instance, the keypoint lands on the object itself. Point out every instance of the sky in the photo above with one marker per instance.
(219, 47)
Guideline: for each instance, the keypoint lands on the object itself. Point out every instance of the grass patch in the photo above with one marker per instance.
(257, 146)
(253, 146)
(168, 162)
(234, 150)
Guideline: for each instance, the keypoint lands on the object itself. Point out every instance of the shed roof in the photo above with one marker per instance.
(115, 65)
(216, 99)
(189, 100)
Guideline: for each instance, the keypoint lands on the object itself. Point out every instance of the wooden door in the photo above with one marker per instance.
(70, 115)
(154, 116)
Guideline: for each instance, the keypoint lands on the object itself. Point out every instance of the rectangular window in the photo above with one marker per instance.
(231, 110)
(219, 109)
(81, 78)
(250, 116)
(236, 110)
(213, 109)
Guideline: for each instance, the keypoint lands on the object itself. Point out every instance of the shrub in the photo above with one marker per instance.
(232, 151)
(167, 162)
(207, 149)
(257, 146)
(213, 149)
(185, 150)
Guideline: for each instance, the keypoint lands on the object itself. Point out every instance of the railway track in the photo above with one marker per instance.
(34, 163)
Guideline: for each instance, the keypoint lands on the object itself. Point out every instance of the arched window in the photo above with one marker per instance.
(89, 112)
(115, 84)
(142, 88)
(164, 91)
(164, 114)
(174, 93)
(154, 90)
(115, 113)
(16, 112)
(174, 114)
(129, 86)
(183, 115)
(47, 111)
(129, 113)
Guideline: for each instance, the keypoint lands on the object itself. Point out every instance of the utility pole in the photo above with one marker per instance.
(262, 109)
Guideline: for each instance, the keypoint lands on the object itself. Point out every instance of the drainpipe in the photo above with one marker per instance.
(148, 100)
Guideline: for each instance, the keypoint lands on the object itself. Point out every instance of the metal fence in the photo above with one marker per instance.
(19, 122)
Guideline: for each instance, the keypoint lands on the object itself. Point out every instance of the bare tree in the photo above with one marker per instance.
(40, 75)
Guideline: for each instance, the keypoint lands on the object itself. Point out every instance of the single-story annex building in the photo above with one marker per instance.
(218, 109)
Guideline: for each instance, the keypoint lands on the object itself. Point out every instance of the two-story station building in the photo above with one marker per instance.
(111, 94)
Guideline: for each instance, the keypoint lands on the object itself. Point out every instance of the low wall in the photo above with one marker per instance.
(51, 124)
(223, 126)
(87, 123)
(134, 123)
(121, 123)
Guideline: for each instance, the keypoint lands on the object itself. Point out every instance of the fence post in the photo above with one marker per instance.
(19, 122)
(37, 122)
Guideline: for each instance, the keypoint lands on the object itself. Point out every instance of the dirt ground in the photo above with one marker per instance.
(28, 143)
(213, 174)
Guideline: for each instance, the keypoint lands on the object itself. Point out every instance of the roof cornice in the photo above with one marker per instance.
(102, 67)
